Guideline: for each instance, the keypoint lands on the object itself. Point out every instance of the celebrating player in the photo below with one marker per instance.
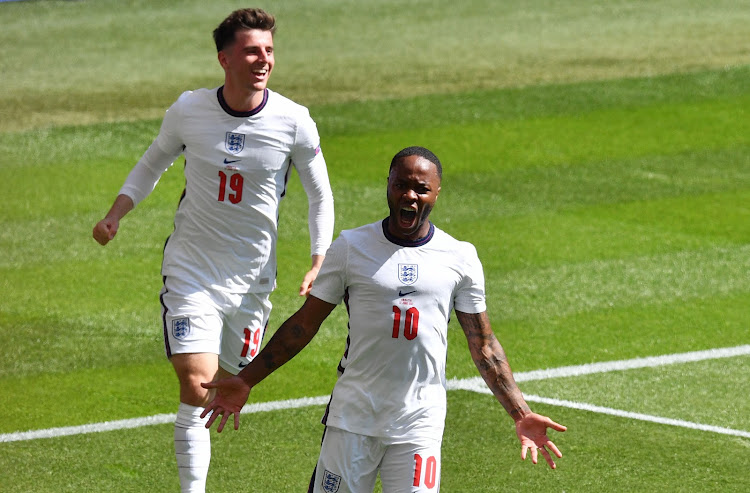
(400, 278)
(240, 141)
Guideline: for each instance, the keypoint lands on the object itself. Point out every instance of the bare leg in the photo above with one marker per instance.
(191, 438)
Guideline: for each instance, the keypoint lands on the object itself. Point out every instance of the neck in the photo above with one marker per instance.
(242, 100)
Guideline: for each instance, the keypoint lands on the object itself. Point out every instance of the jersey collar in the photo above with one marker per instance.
(241, 114)
(407, 243)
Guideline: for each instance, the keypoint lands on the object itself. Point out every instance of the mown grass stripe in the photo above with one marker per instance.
(475, 384)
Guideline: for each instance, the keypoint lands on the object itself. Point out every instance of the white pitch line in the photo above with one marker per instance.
(475, 384)
(607, 366)
(638, 416)
(158, 419)
(481, 388)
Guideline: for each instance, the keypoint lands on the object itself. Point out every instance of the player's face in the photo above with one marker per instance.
(248, 61)
(413, 188)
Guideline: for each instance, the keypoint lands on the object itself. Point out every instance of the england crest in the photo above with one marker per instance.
(180, 328)
(234, 142)
(331, 482)
(407, 273)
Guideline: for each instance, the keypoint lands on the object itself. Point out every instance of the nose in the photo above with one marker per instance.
(411, 194)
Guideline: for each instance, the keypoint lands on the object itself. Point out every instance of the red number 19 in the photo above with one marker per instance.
(252, 342)
(235, 184)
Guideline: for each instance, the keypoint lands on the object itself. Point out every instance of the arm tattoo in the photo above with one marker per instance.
(292, 338)
(490, 359)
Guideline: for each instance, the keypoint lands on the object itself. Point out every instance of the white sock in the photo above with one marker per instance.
(192, 446)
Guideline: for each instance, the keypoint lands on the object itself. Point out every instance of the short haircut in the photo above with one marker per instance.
(242, 20)
(421, 152)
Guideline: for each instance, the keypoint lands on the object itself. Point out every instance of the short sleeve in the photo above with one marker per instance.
(470, 296)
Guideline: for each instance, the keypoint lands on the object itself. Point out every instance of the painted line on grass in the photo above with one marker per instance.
(639, 416)
(608, 366)
(475, 384)
(482, 389)
(157, 419)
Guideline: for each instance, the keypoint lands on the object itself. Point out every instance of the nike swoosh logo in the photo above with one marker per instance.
(228, 161)
(404, 294)
(242, 365)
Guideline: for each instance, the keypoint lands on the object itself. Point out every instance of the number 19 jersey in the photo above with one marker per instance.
(236, 170)
(399, 296)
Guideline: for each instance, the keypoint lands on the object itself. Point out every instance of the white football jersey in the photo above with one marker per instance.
(236, 170)
(399, 296)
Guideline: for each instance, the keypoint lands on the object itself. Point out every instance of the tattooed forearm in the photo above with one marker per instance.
(490, 359)
(289, 340)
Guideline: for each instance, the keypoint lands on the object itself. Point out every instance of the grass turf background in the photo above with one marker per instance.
(596, 153)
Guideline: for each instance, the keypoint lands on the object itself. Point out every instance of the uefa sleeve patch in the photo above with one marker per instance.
(180, 328)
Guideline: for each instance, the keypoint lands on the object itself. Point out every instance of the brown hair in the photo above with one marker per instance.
(241, 20)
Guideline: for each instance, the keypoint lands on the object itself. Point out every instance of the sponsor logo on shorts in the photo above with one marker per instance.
(331, 482)
(180, 328)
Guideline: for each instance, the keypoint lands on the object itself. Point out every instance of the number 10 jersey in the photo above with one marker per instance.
(399, 296)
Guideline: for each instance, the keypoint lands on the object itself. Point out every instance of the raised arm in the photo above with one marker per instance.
(489, 357)
(287, 342)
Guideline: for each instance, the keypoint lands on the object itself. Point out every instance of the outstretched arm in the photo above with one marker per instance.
(489, 357)
(289, 339)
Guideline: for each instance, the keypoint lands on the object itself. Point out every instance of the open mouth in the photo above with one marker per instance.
(408, 217)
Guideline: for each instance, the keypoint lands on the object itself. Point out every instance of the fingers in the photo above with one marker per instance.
(305, 287)
(209, 385)
(525, 449)
(554, 449)
(211, 418)
(555, 426)
(104, 231)
(547, 457)
(222, 422)
(540, 450)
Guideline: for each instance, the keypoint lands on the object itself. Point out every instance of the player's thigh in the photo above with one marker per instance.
(192, 318)
(244, 330)
(348, 463)
(192, 369)
(411, 467)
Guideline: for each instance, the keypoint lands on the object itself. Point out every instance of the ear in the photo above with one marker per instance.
(222, 57)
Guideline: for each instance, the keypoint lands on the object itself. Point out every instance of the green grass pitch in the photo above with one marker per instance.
(597, 153)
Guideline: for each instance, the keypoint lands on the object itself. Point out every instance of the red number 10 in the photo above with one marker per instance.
(411, 322)
(430, 473)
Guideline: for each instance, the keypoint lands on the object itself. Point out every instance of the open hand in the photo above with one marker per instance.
(231, 395)
(532, 431)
